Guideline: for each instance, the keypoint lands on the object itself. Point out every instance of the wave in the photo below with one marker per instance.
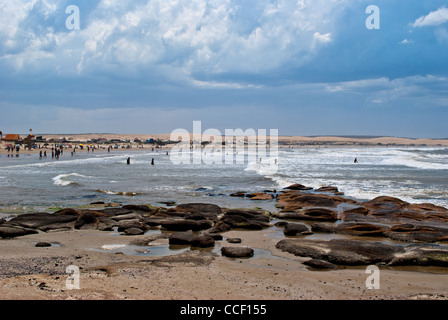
(119, 193)
(416, 161)
(62, 179)
(269, 171)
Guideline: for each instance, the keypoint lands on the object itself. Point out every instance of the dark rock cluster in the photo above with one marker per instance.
(419, 230)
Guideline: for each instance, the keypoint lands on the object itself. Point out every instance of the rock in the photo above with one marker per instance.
(137, 207)
(328, 189)
(168, 203)
(417, 233)
(321, 214)
(132, 223)
(384, 206)
(88, 219)
(260, 196)
(127, 216)
(237, 252)
(394, 209)
(204, 241)
(298, 186)
(294, 200)
(239, 221)
(320, 264)
(209, 211)
(294, 229)
(146, 240)
(97, 202)
(251, 214)
(219, 227)
(181, 238)
(195, 216)
(42, 244)
(8, 231)
(355, 214)
(341, 252)
(422, 255)
(113, 212)
(216, 236)
(185, 224)
(106, 224)
(38, 220)
(234, 240)
(67, 211)
(152, 221)
(354, 229)
(133, 231)
(238, 194)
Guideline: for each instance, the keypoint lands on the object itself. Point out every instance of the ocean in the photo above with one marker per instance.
(31, 184)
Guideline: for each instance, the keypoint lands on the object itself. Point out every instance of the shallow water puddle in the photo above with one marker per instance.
(153, 251)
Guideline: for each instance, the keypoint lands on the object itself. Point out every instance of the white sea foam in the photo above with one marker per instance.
(417, 161)
(62, 179)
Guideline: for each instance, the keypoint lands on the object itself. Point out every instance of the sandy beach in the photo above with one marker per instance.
(31, 272)
(283, 141)
(39, 273)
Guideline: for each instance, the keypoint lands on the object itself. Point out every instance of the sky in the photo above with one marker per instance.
(304, 67)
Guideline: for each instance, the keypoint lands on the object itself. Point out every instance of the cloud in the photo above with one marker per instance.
(324, 38)
(419, 91)
(406, 41)
(194, 39)
(434, 18)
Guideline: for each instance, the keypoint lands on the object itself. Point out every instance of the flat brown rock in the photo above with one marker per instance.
(237, 252)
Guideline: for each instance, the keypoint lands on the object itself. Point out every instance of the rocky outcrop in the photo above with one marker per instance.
(209, 211)
(418, 233)
(181, 238)
(10, 231)
(341, 252)
(260, 196)
(185, 224)
(353, 229)
(42, 220)
(395, 210)
(315, 214)
(298, 201)
(246, 219)
(294, 229)
(354, 252)
(298, 186)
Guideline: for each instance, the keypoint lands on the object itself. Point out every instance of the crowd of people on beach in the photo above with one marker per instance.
(58, 150)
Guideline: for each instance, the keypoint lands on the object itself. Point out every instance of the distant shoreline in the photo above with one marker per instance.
(283, 141)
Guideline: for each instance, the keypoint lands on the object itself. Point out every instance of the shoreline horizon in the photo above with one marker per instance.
(283, 140)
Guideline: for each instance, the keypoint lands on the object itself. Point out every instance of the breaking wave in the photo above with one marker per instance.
(63, 179)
